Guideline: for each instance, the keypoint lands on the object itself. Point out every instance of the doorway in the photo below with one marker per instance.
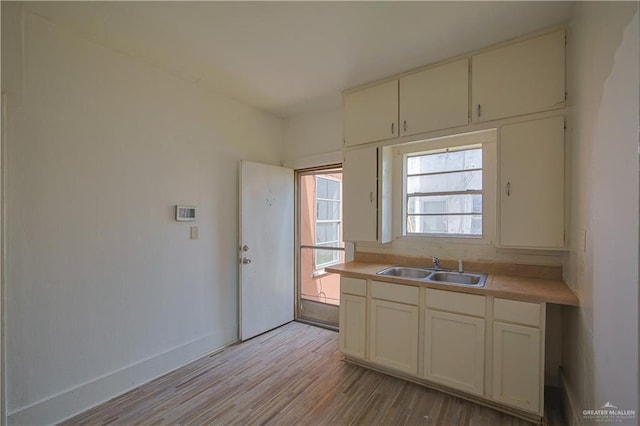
(319, 244)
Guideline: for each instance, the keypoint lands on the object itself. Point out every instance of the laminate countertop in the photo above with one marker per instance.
(498, 285)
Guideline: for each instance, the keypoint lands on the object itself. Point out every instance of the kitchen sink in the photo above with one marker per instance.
(405, 272)
(469, 279)
(464, 278)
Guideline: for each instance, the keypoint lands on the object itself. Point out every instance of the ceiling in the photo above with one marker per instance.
(294, 57)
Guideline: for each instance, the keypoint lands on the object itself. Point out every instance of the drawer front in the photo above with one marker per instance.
(517, 312)
(463, 303)
(395, 292)
(356, 286)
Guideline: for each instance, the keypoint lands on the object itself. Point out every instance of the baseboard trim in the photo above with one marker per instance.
(81, 398)
(568, 400)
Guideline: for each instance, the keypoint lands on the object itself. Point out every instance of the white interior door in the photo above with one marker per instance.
(266, 248)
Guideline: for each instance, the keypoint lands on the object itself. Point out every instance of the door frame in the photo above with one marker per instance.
(327, 311)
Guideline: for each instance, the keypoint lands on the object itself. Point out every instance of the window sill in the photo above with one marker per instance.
(319, 273)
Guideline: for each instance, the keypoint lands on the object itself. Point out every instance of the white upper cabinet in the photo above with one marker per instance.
(360, 194)
(436, 98)
(371, 114)
(532, 184)
(366, 194)
(520, 78)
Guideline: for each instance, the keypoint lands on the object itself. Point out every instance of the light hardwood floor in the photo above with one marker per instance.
(291, 375)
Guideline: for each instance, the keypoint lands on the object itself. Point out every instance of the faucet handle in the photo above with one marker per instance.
(436, 262)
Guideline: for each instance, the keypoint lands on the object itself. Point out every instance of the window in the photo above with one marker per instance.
(443, 192)
(318, 241)
(327, 221)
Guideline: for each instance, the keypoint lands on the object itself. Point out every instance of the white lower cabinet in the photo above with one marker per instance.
(516, 366)
(518, 360)
(353, 316)
(393, 335)
(454, 350)
(380, 324)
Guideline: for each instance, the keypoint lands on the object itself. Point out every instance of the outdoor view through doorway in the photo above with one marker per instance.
(320, 243)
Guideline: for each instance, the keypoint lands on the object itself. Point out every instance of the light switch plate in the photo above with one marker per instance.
(195, 233)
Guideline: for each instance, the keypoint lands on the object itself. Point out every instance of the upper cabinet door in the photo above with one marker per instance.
(434, 99)
(518, 79)
(360, 194)
(532, 184)
(371, 114)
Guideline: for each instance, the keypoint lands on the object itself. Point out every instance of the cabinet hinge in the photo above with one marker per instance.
(565, 39)
(565, 124)
(566, 95)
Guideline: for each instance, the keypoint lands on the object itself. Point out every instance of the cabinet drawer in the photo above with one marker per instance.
(518, 312)
(470, 304)
(395, 292)
(355, 286)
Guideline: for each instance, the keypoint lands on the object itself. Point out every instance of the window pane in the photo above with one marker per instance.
(333, 189)
(323, 288)
(459, 181)
(445, 161)
(445, 204)
(321, 188)
(445, 224)
(434, 174)
(326, 232)
(327, 188)
(326, 257)
(328, 210)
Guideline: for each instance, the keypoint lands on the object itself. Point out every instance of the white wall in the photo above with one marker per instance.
(104, 289)
(601, 337)
(313, 139)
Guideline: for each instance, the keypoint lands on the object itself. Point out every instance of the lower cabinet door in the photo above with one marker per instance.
(353, 317)
(454, 350)
(517, 366)
(393, 336)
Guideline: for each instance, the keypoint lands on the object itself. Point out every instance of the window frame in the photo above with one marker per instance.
(318, 246)
(488, 140)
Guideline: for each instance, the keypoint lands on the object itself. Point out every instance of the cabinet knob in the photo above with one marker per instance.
(246, 260)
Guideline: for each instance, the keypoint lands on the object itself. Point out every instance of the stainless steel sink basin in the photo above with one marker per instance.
(469, 279)
(464, 278)
(405, 272)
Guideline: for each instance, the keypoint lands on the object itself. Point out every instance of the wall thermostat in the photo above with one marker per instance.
(185, 213)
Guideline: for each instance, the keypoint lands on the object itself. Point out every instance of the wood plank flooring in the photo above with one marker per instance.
(293, 375)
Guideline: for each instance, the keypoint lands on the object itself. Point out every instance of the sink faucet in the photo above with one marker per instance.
(436, 262)
(436, 265)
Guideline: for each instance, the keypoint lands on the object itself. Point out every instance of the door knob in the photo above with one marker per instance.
(246, 260)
